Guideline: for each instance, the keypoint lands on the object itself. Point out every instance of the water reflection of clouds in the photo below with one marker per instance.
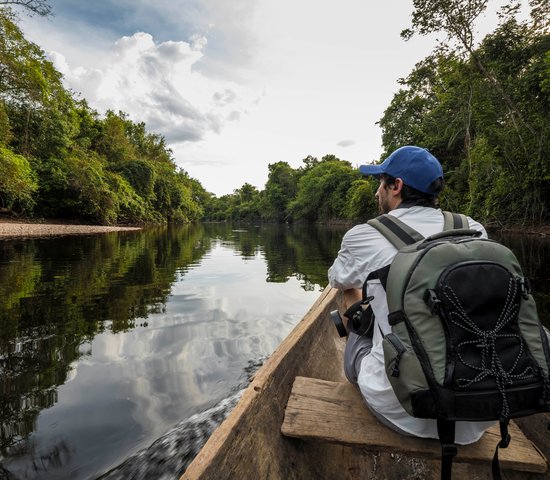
(134, 385)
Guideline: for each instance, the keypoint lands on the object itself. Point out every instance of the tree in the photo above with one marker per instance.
(323, 191)
(140, 174)
(76, 187)
(361, 203)
(247, 193)
(451, 106)
(456, 18)
(38, 7)
(309, 162)
(5, 127)
(280, 190)
(540, 16)
(246, 203)
(113, 141)
(17, 183)
(40, 110)
(24, 71)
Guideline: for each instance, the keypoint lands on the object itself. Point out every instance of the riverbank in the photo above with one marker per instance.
(15, 228)
(541, 230)
(10, 228)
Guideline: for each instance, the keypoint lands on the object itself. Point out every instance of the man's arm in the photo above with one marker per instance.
(345, 271)
(351, 296)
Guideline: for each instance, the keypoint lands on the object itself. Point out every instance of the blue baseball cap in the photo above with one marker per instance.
(417, 167)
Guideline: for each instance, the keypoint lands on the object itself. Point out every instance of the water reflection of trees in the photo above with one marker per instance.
(58, 294)
(306, 252)
(533, 253)
(301, 251)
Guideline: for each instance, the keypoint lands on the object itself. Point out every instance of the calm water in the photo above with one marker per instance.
(109, 341)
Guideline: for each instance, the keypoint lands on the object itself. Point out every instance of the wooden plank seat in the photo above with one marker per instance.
(335, 412)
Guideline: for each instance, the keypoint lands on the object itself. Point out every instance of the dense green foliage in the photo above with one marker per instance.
(323, 190)
(483, 111)
(59, 158)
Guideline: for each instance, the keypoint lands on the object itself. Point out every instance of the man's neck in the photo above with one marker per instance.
(412, 204)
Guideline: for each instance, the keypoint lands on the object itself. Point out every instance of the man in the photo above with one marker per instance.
(411, 179)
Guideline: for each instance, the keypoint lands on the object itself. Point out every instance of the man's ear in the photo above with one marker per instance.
(397, 186)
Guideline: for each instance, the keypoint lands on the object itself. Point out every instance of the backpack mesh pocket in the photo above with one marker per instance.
(479, 307)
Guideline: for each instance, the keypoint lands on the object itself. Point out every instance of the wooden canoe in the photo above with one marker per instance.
(249, 443)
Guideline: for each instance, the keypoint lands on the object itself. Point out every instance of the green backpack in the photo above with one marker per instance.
(466, 343)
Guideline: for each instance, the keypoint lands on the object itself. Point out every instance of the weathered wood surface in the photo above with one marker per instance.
(335, 412)
(537, 429)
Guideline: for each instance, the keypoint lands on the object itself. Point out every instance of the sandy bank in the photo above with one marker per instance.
(11, 229)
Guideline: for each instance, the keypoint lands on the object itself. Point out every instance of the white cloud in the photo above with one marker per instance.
(155, 82)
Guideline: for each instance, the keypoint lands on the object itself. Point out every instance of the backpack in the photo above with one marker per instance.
(466, 343)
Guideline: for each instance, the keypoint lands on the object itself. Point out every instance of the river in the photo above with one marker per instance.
(135, 344)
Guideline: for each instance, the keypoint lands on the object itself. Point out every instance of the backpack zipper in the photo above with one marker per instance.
(399, 348)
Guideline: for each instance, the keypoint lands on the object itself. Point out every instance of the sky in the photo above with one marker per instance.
(236, 85)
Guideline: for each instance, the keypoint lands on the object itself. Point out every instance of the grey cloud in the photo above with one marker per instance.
(87, 83)
(233, 116)
(225, 97)
(346, 143)
(178, 120)
(171, 101)
(214, 122)
(174, 131)
(151, 66)
(231, 46)
(173, 51)
(183, 133)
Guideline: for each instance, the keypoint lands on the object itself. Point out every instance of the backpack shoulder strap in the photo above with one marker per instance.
(398, 233)
(454, 221)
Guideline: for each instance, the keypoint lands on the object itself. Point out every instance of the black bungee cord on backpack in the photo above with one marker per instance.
(491, 366)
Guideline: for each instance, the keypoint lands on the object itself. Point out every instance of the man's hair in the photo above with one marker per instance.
(413, 197)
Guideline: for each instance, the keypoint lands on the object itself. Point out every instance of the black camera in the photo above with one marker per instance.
(360, 318)
(337, 320)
